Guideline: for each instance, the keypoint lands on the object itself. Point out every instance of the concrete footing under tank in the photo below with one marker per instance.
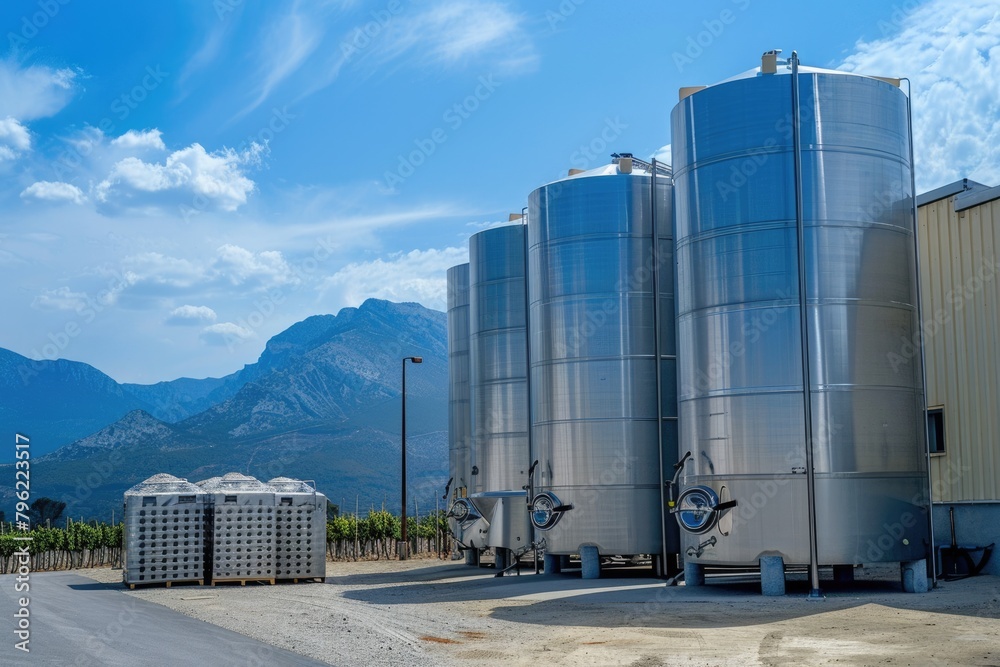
(694, 574)
(913, 574)
(551, 564)
(590, 563)
(772, 576)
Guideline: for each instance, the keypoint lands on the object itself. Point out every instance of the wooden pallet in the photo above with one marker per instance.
(243, 581)
(318, 580)
(201, 582)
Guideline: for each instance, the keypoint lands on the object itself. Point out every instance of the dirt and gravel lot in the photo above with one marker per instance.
(434, 612)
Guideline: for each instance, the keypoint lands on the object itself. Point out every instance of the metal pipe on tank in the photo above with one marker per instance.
(920, 322)
(658, 353)
(804, 330)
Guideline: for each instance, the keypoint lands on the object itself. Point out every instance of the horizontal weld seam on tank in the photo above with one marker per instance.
(575, 239)
(864, 387)
(627, 420)
(627, 487)
(817, 148)
(581, 360)
(771, 225)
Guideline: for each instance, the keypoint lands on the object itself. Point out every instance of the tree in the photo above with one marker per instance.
(332, 511)
(45, 509)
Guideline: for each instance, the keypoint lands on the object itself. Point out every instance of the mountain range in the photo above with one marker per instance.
(322, 402)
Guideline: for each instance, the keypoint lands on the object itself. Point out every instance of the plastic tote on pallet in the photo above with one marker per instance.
(164, 531)
(242, 528)
(300, 530)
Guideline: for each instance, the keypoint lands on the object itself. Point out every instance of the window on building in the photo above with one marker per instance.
(935, 430)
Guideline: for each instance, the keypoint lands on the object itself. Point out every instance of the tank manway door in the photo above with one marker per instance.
(698, 509)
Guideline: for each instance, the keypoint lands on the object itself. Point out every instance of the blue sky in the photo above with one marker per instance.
(180, 181)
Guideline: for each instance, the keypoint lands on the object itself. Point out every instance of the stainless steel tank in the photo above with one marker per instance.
(593, 321)
(499, 382)
(742, 381)
(466, 523)
(498, 357)
(459, 406)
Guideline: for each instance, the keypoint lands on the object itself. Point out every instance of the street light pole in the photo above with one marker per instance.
(404, 547)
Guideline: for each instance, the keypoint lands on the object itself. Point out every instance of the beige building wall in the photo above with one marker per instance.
(959, 237)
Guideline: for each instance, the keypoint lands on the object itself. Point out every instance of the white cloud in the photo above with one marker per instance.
(225, 333)
(265, 269)
(14, 139)
(61, 298)
(289, 42)
(35, 91)
(140, 139)
(952, 54)
(453, 32)
(191, 315)
(54, 191)
(190, 177)
(419, 275)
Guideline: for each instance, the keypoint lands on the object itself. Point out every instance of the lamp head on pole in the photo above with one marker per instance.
(416, 360)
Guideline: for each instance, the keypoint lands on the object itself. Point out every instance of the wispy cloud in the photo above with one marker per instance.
(418, 275)
(454, 32)
(952, 54)
(441, 35)
(286, 46)
(34, 91)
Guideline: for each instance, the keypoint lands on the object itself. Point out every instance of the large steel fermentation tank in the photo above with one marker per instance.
(758, 167)
(596, 425)
(499, 383)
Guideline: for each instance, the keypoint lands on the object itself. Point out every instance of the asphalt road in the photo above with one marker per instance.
(76, 621)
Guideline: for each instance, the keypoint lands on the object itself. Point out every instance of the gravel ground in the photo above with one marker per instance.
(444, 613)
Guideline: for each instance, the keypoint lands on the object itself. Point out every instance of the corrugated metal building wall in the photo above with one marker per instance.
(959, 236)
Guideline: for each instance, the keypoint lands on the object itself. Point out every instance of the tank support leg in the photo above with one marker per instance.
(694, 574)
(502, 560)
(772, 575)
(472, 557)
(914, 575)
(843, 574)
(551, 563)
(590, 563)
